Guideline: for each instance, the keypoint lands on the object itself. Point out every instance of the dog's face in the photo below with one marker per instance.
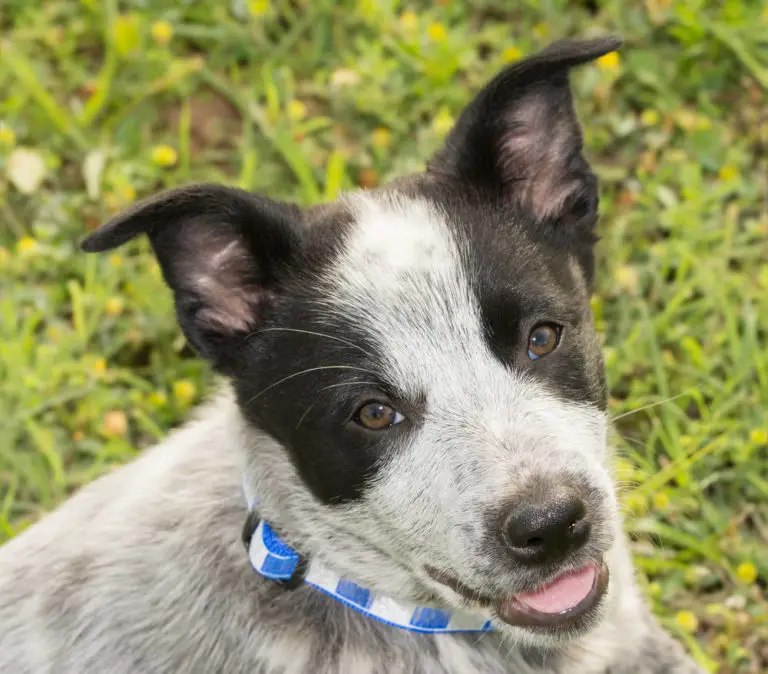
(424, 353)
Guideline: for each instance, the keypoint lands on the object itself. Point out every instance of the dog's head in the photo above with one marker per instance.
(424, 353)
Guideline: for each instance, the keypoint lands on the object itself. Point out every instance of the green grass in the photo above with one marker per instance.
(315, 96)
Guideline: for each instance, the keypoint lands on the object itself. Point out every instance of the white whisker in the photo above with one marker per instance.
(649, 406)
(307, 371)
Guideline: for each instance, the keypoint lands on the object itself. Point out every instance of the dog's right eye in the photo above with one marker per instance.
(543, 340)
(377, 416)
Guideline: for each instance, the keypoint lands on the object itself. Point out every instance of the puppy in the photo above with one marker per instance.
(412, 440)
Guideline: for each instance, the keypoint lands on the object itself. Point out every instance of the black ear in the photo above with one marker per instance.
(223, 251)
(520, 137)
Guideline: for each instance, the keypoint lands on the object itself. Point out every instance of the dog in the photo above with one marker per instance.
(407, 469)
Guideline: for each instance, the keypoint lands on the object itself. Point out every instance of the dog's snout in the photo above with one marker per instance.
(547, 529)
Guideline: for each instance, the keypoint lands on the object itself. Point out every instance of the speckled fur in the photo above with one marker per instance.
(423, 295)
(172, 591)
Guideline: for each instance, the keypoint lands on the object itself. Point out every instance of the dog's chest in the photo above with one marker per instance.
(383, 654)
(311, 633)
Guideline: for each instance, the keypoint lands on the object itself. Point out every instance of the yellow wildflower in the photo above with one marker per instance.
(728, 173)
(26, 245)
(114, 306)
(164, 155)
(258, 7)
(661, 501)
(162, 32)
(381, 138)
(609, 62)
(409, 20)
(296, 110)
(511, 54)
(687, 621)
(650, 117)
(443, 122)
(627, 278)
(184, 391)
(746, 572)
(437, 32)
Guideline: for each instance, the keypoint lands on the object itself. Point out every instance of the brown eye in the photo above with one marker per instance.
(543, 340)
(378, 416)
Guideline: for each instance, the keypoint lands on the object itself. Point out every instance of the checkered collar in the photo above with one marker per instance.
(272, 558)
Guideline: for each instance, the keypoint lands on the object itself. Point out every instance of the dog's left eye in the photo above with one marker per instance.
(377, 416)
(543, 340)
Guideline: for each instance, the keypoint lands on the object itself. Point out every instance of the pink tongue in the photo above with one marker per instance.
(563, 594)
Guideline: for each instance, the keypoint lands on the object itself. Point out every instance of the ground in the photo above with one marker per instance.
(103, 102)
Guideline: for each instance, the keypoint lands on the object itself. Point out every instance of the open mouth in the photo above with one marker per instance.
(563, 602)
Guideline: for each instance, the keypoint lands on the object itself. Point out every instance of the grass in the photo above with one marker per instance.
(102, 102)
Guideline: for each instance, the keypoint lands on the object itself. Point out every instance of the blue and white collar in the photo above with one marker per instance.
(272, 558)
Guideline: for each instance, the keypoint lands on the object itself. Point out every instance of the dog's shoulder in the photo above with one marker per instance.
(133, 560)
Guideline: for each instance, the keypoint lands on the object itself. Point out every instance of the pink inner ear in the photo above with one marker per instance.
(535, 153)
(220, 270)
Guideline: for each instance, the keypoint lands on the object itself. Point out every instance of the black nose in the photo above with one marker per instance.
(548, 529)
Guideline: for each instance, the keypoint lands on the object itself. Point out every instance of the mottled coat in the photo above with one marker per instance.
(413, 378)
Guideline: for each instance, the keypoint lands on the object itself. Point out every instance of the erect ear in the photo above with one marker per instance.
(223, 251)
(520, 137)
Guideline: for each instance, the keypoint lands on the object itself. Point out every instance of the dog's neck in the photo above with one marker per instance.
(305, 527)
